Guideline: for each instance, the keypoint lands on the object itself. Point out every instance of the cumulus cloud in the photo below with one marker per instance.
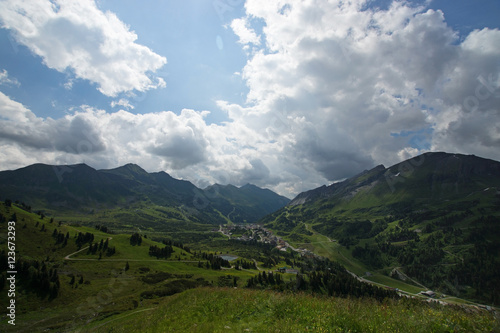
(6, 80)
(122, 102)
(20, 126)
(76, 36)
(341, 87)
(156, 141)
(182, 144)
(247, 35)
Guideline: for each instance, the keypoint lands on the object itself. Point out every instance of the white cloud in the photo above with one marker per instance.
(183, 144)
(77, 36)
(340, 88)
(122, 102)
(71, 134)
(470, 102)
(247, 35)
(13, 111)
(6, 80)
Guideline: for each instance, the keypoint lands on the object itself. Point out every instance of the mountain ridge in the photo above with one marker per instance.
(447, 170)
(81, 187)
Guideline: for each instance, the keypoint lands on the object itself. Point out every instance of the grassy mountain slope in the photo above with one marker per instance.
(159, 187)
(62, 187)
(82, 189)
(91, 285)
(432, 221)
(244, 204)
(221, 310)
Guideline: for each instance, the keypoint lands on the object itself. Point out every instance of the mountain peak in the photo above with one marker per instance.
(248, 185)
(130, 171)
(431, 175)
(132, 167)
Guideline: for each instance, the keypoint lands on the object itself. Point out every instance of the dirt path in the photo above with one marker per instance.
(69, 255)
(397, 269)
(228, 215)
(255, 261)
(121, 317)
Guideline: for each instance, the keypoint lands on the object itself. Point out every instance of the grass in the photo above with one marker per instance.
(106, 289)
(231, 310)
(110, 299)
(387, 281)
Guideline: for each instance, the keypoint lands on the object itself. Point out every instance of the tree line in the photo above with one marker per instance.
(33, 276)
(213, 261)
(324, 277)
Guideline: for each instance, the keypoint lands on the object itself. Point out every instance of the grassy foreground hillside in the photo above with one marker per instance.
(244, 310)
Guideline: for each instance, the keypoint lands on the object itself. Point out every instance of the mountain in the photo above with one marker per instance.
(344, 188)
(428, 178)
(159, 187)
(434, 219)
(244, 204)
(82, 188)
(72, 186)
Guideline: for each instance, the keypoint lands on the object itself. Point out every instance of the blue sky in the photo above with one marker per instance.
(288, 95)
(198, 72)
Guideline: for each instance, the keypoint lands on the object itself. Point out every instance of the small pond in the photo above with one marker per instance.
(228, 257)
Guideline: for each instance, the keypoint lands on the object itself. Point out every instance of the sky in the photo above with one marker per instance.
(286, 95)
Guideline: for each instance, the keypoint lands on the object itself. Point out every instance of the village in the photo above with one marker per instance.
(249, 232)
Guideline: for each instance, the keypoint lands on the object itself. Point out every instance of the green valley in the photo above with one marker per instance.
(354, 256)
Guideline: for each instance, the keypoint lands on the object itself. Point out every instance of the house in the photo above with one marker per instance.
(282, 269)
(291, 271)
(428, 293)
(287, 270)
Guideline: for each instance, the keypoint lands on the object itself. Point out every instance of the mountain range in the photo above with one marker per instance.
(81, 188)
(430, 222)
(434, 218)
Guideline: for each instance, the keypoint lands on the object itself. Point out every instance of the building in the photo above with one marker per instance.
(428, 293)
